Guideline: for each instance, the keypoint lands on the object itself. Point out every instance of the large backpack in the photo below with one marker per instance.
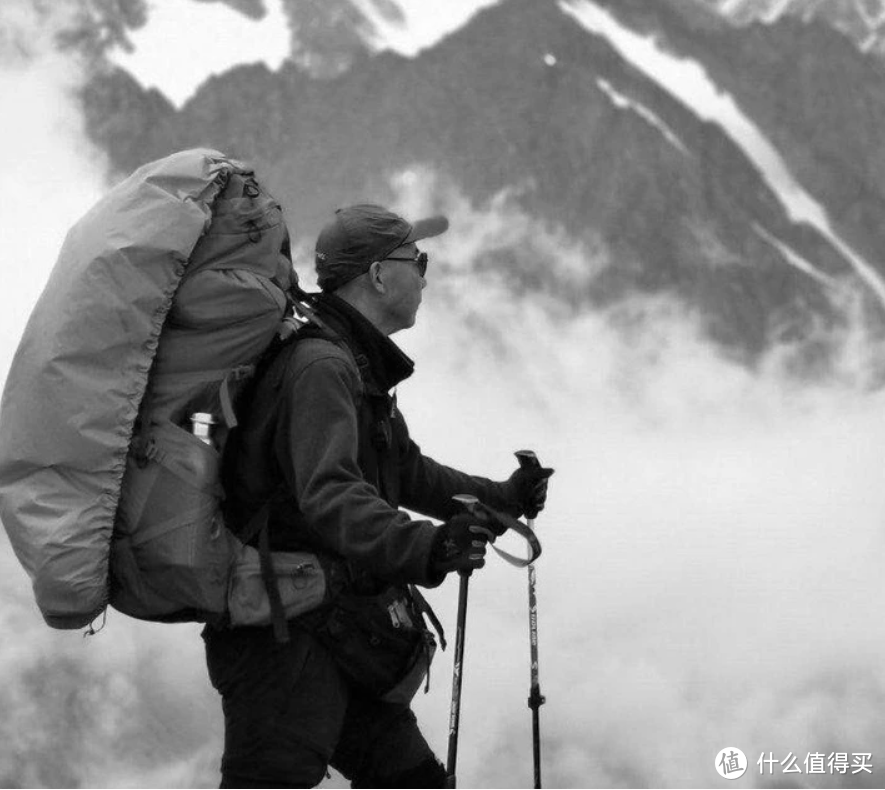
(164, 296)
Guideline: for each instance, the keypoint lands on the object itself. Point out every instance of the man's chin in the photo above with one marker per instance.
(406, 323)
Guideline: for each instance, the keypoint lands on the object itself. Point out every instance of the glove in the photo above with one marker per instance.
(529, 486)
(460, 544)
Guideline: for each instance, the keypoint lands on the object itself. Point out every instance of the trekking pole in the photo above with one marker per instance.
(458, 671)
(527, 460)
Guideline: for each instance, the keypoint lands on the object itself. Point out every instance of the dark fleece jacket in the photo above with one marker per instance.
(327, 441)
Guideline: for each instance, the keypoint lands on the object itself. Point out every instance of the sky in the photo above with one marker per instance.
(710, 575)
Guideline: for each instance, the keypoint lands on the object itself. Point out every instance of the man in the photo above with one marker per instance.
(326, 443)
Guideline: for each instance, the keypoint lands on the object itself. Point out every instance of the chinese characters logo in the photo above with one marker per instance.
(818, 763)
(731, 763)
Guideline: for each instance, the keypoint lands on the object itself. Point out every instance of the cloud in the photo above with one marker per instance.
(50, 178)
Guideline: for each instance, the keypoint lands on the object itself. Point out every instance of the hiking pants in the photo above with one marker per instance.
(288, 714)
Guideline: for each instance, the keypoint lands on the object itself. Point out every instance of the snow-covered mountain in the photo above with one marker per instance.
(529, 101)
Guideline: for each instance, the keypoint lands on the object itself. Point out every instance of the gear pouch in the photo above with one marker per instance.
(379, 642)
(300, 578)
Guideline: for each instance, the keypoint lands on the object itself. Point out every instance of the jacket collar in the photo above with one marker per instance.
(388, 364)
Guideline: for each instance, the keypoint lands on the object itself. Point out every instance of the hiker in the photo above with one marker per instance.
(325, 443)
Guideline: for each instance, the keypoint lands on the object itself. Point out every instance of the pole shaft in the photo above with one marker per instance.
(536, 746)
(457, 679)
(535, 697)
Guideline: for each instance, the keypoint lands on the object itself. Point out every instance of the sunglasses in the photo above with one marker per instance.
(420, 260)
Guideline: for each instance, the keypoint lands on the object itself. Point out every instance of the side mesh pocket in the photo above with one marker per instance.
(171, 552)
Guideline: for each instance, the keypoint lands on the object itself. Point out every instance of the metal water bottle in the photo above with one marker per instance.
(201, 426)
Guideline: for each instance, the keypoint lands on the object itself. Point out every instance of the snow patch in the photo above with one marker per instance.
(185, 43)
(623, 102)
(794, 258)
(689, 82)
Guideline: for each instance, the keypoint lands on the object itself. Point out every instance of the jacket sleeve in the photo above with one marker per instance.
(427, 487)
(341, 511)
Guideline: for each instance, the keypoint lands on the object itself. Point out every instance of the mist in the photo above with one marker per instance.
(710, 566)
(710, 572)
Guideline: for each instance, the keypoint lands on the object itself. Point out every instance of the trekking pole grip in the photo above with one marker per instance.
(470, 504)
(528, 459)
(467, 501)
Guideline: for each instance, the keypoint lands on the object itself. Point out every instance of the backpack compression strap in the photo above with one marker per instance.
(258, 526)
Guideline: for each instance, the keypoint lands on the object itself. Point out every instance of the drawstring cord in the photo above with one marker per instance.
(92, 631)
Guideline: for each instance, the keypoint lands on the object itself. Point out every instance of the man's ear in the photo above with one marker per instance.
(375, 278)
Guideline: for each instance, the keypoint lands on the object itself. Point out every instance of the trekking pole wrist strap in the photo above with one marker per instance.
(521, 529)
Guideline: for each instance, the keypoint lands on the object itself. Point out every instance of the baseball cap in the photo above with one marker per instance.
(361, 234)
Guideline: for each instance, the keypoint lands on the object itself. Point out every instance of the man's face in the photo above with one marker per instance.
(404, 282)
